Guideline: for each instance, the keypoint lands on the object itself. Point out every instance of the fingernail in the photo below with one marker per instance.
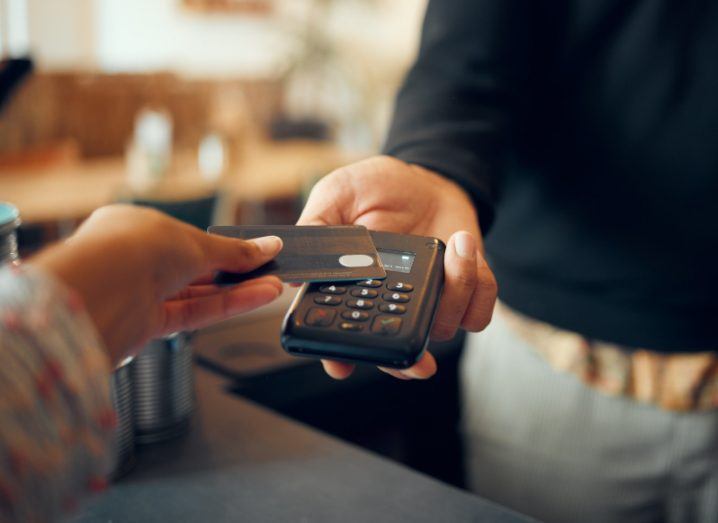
(424, 369)
(268, 245)
(464, 245)
(413, 374)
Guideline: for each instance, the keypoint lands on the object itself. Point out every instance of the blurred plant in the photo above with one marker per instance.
(322, 85)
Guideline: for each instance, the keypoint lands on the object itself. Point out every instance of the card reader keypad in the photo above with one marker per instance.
(397, 297)
(348, 326)
(332, 289)
(400, 286)
(327, 299)
(392, 308)
(374, 305)
(369, 283)
(386, 325)
(365, 293)
(319, 317)
(355, 315)
(360, 304)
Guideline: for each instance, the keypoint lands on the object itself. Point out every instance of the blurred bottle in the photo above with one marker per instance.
(212, 157)
(229, 121)
(149, 153)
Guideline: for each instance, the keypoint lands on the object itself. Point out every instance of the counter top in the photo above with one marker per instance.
(242, 462)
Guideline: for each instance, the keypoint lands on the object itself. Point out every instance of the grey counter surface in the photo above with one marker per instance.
(242, 462)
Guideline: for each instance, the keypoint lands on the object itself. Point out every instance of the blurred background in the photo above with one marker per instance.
(219, 110)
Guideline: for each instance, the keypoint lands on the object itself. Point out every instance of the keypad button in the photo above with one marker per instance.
(355, 315)
(369, 283)
(392, 308)
(400, 286)
(318, 317)
(332, 289)
(386, 325)
(351, 326)
(327, 300)
(396, 297)
(364, 293)
(360, 304)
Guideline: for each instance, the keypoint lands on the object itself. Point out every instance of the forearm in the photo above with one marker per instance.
(455, 110)
(79, 265)
(454, 196)
(57, 420)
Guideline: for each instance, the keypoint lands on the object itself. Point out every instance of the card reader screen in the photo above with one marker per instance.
(397, 261)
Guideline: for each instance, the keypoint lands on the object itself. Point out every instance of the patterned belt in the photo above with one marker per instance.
(672, 381)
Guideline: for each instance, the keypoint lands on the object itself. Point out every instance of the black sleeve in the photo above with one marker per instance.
(453, 112)
(12, 73)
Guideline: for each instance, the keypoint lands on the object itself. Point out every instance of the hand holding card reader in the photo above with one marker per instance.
(384, 322)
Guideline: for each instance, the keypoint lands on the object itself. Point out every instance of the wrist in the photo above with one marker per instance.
(87, 270)
(454, 197)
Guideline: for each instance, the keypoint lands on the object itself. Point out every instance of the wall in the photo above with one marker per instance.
(13, 28)
(144, 35)
(374, 41)
(62, 33)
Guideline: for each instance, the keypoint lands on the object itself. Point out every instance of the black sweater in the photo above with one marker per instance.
(587, 133)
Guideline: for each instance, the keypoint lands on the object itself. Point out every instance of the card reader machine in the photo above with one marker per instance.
(384, 322)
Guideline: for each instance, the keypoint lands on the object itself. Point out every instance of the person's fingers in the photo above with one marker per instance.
(423, 369)
(198, 291)
(206, 278)
(337, 369)
(481, 306)
(198, 312)
(235, 255)
(460, 280)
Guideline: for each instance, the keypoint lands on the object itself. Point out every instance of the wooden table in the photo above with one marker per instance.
(266, 170)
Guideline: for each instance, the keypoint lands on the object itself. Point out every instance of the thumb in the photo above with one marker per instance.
(235, 255)
(328, 201)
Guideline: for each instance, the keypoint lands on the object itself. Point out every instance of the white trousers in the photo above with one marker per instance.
(545, 444)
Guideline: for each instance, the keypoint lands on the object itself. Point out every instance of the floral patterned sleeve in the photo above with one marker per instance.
(56, 415)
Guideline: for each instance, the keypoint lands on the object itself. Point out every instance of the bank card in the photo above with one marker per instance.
(310, 253)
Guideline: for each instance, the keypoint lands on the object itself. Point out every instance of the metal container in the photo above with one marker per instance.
(9, 222)
(123, 402)
(163, 386)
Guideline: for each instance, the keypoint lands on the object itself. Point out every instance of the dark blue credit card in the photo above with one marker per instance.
(310, 253)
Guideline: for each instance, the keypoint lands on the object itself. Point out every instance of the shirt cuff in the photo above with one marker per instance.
(57, 427)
